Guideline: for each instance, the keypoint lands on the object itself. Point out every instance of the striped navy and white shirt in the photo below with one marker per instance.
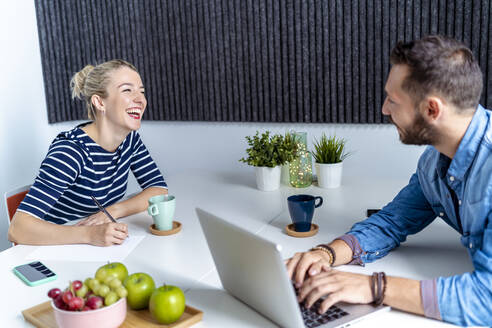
(76, 168)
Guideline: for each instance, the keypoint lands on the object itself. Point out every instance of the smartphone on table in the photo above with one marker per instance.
(34, 273)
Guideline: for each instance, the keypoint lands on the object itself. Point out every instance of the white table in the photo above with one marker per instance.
(184, 259)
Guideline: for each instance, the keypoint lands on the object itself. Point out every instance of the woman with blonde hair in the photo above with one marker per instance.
(93, 159)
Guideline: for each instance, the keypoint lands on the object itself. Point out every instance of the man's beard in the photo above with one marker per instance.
(419, 133)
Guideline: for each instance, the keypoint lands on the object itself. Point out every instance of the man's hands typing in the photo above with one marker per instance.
(307, 264)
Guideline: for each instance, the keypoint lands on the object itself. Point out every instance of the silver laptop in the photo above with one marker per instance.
(252, 270)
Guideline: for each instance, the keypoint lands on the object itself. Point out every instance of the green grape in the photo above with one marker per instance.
(94, 284)
(108, 279)
(103, 290)
(82, 291)
(110, 298)
(86, 281)
(115, 283)
(121, 291)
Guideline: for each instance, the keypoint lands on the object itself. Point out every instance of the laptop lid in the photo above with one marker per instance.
(252, 270)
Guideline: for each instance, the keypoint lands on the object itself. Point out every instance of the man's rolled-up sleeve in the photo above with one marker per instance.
(408, 213)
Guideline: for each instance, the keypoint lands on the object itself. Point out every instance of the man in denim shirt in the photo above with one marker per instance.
(433, 90)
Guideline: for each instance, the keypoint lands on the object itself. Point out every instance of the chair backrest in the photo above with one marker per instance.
(13, 199)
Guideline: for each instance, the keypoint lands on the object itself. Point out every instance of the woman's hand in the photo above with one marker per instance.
(337, 286)
(108, 234)
(94, 219)
(311, 262)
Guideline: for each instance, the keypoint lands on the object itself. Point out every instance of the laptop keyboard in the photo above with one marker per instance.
(313, 319)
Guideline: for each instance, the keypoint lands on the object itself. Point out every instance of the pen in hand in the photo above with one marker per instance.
(103, 209)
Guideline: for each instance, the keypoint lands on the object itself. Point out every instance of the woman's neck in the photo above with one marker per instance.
(105, 135)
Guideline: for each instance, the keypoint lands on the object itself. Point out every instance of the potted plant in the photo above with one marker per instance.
(266, 154)
(329, 153)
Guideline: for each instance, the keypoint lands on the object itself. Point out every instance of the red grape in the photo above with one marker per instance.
(59, 302)
(67, 296)
(75, 303)
(86, 308)
(76, 285)
(94, 302)
(54, 292)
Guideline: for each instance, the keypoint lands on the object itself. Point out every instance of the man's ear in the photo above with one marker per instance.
(432, 108)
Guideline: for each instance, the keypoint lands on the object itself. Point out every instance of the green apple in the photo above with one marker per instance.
(167, 304)
(139, 287)
(114, 269)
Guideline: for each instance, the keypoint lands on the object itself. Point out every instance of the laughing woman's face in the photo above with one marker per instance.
(126, 102)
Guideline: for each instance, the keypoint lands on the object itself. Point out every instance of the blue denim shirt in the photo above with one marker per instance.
(464, 299)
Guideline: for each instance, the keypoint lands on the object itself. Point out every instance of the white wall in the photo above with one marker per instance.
(176, 146)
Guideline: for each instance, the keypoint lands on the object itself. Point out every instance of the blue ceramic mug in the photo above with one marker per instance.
(301, 209)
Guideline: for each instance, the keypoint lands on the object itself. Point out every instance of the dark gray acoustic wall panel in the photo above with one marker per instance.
(251, 60)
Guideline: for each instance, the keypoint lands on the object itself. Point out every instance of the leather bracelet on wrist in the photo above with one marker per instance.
(373, 286)
(384, 289)
(378, 287)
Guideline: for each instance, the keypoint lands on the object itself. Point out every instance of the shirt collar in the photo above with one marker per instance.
(443, 165)
(469, 145)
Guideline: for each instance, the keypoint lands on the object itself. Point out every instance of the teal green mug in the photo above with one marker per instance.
(161, 208)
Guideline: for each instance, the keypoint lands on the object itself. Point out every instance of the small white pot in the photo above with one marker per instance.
(267, 178)
(329, 175)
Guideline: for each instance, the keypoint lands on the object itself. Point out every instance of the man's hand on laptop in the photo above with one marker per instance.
(310, 263)
(337, 286)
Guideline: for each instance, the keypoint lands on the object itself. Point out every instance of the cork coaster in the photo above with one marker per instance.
(176, 228)
(289, 229)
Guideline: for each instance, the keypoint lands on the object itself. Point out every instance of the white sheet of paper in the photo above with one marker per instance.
(86, 253)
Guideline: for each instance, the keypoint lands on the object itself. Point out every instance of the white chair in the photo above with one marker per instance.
(13, 199)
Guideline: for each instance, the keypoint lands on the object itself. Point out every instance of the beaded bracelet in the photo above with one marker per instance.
(328, 250)
(323, 249)
(332, 251)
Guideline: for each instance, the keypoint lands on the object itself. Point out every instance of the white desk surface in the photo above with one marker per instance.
(184, 259)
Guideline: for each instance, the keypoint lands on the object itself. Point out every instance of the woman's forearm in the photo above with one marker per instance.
(135, 204)
(26, 229)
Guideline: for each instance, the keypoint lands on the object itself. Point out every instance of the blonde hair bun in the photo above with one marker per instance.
(78, 82)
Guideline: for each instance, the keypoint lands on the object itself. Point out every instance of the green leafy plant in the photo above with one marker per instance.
(329, 150)
(269, 151)
(290, 148)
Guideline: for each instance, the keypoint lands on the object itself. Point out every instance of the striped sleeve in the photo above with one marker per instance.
(58, 171)
(143, 167)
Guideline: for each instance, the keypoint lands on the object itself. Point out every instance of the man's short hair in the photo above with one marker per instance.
(442, 65)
